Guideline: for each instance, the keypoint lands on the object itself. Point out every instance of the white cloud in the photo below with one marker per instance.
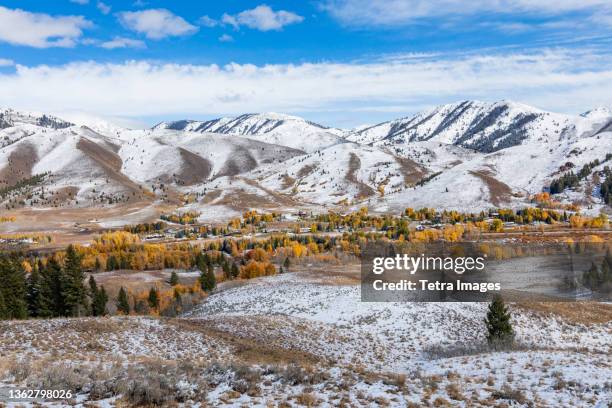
(122, 42)
(262, 18)
(103, 7)
(156, 23)
(226, 38)
(558, 80)
(208, 22)
(19, 27)
(81, 2)
(4, 62)
(403, 12)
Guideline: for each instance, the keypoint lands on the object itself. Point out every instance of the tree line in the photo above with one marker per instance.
(50, 289)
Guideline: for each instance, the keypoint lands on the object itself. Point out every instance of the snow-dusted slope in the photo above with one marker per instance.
(469, 155)
(342, 173)
(485, 127)
(11, 118)
(81, 167)
(188, 158)
(271, 128)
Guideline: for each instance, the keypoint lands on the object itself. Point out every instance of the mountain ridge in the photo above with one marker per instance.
(467, 155)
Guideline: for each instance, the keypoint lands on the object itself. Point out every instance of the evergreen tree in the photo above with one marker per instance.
(287, 263)
(174, 279)
(111, 263)
(33, 293)
(100, 302)
(235, 270)
(13, 287)
(207, 278)
(98, 298)
(98, 265)
(499, 327)
(227, 272)
(153, 299)
(123, 306)
(51, 290)
(75, 294)
(3, 311)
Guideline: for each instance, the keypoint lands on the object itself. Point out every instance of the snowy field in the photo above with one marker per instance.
(302, 339)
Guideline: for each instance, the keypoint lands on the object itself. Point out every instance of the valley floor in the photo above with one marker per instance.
(306, 339)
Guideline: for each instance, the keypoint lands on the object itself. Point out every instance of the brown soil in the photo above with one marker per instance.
(211, 196)
(20, 163)
(277, 197)
(195, 169)
(499, 192)
(411, 171)
(242, 161)
(305, 171)
(354, 165)
(108, 161)
(287, 182)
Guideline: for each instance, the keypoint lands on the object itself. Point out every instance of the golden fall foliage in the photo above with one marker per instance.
(255, 269)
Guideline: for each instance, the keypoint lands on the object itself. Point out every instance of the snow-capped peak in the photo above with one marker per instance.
(601, 112)
(10, 117)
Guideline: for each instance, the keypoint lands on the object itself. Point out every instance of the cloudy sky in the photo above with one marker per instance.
(338, 62)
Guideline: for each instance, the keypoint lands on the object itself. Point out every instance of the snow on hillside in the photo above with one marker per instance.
(485, 127)
(274, 128)
(468, 155)
(300, 311)
(345, 171)
(189, 158)
(11, 118)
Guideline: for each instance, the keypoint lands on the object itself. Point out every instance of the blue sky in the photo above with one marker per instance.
(340, 62)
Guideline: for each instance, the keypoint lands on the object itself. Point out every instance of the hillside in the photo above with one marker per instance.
(273, 128)
(485, 127)
(468, 156)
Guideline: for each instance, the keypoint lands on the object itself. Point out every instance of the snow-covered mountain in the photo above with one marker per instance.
(275, 128)
(11, 118)
(469, 155)
(485, 127)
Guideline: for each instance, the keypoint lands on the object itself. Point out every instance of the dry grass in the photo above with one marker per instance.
(575, 312)
(499, 192)
(354, 166)
(248, 350)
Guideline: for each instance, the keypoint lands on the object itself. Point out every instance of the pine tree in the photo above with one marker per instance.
(13, 287)
(227, 273)
(100, 302)
(75, 295)
(153, 299)
(287, 263)
(123, 306)
(111, 263)
(235, 270)
(174, 279)
(499, 328)
(51, 290)
(207, 278)
(98, 298)
(3, 311)
(33, 293)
